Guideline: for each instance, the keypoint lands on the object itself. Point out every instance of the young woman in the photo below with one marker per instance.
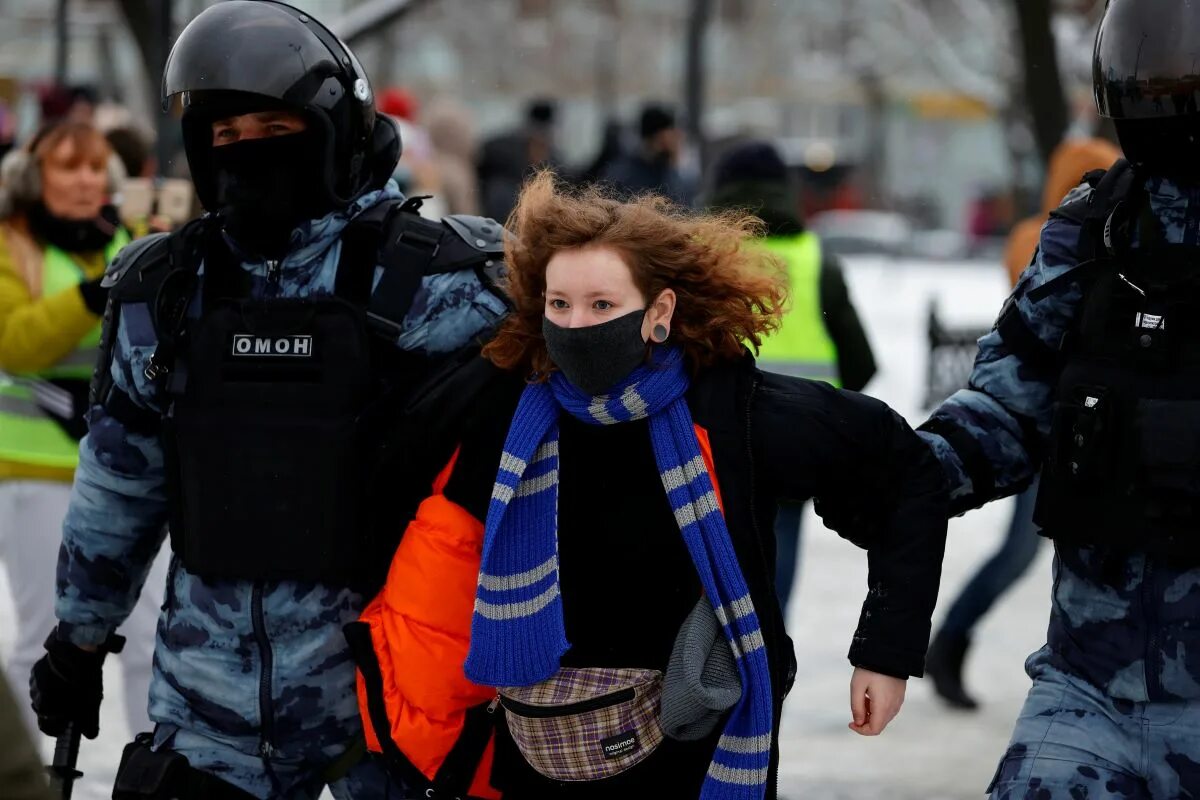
(625, 604)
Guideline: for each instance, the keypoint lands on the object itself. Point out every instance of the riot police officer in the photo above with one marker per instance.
(1093, 369)
(256, 366)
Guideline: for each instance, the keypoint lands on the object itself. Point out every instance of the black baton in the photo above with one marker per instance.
(63, 773)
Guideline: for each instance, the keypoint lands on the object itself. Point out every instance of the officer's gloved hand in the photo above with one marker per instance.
(66, 685)
(95, 296)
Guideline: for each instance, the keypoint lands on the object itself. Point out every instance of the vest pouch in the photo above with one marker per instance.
(1168, 469)
(586, 724)
(261, 510)
(1081, 448)
(266, 448)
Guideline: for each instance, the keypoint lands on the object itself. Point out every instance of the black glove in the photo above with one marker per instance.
(66, 685)
(95, 296)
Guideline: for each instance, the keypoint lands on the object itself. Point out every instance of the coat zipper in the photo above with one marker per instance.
(266, 711)
(581, 707)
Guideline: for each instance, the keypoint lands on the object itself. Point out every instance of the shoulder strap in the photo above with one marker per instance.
(140, 255)
(410, 248)
(169, 304)
(1105, 216)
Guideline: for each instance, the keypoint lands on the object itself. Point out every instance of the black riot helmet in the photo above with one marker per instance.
(242, 56)
(1146, 73)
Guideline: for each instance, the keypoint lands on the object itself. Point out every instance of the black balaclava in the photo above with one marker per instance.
(597, 357)
(74, 235)
(266, 187)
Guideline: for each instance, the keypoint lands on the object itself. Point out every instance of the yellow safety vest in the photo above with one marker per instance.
(802, 346)
(28, 434)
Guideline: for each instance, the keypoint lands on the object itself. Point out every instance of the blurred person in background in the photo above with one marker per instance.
(134, 148)
(417, 173)
(820, 336)
(57, 235)
(505, 161)
(948, 651)
(22, 776)
(452, 134)
(1091, 376)
(611, 147)
(67, 103)
(254, 396)
(654, 165)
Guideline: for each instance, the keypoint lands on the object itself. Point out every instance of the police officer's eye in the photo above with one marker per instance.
(279, 128)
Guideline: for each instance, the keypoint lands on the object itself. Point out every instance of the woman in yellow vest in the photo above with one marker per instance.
(820, 337)
(57, 234)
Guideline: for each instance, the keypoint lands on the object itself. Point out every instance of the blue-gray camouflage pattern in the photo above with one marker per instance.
(209, 666)
(1126, 625)
(1073, 742)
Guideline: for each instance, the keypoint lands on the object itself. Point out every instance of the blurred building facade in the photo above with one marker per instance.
(914, 93)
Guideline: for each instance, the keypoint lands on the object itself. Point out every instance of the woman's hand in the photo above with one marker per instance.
(875, 701)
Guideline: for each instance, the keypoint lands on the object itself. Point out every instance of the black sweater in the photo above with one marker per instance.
(627, 584)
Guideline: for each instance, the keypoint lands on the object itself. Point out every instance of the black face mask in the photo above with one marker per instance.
(74, 235)
(266, 187)
(597, 357)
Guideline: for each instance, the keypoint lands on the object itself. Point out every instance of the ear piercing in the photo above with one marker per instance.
(660, 333)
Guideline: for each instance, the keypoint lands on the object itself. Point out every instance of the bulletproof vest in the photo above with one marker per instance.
(298, 437)
(266, 439)
(1123, 462)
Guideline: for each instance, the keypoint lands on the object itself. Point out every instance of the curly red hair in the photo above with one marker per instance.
(728, 294)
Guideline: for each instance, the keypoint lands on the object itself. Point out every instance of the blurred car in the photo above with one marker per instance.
(864, 233)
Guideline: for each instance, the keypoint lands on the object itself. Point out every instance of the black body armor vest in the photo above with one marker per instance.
(267, 435)
(299, 439)
(1123, 462)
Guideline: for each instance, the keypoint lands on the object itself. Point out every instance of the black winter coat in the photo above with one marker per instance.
(776, 438)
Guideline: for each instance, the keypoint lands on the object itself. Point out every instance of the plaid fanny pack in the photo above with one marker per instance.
(586, 724)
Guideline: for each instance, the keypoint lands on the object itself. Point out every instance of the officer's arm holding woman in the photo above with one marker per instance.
(628, 532)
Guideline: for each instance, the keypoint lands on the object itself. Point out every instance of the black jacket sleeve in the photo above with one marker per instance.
(856, 362)
(877, 484)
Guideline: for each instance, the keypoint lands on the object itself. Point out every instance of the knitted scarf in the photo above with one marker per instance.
(517, 631)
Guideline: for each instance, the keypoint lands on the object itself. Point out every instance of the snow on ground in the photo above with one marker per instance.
(928, 753)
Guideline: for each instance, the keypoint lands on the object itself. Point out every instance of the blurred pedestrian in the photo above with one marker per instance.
(452, 134)
(22, 776)
(417, 173)
(820, 337)
(134, 148)
(506, 160)
(611, 147)
(57, 234)
(654, 166)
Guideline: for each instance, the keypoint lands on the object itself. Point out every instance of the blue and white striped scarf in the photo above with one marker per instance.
(517, 632)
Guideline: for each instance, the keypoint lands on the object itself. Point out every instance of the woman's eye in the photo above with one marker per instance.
(602, 305)
(558, 305)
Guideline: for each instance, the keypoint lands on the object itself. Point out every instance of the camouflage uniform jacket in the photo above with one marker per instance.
(260, 666)
(1127, 625)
